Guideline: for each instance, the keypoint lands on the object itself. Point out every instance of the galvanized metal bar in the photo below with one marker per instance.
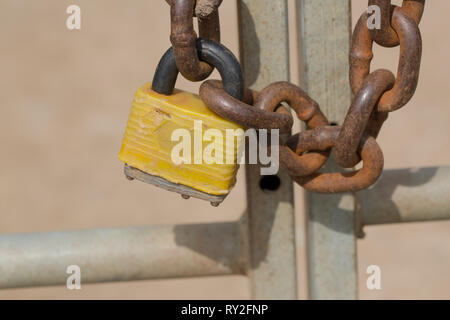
(264, 48)
(325, 29)
(156, 252)
(408, 195)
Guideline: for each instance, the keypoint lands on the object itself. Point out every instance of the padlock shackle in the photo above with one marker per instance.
(211, 52)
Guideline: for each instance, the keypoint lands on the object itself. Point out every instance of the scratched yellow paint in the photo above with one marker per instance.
(147, 143)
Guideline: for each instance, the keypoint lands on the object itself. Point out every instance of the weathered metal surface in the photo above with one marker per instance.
(187, 192)
(264, 110)
(325, 32)
(293, 156)
(204, 8)
(210, 51)
(264, 34)
(128, 254)
(308, 111)
(408, 66)
(264, 46)
(336, 182)
(357, 119)
(183, 38)
(408, 195)
(240, 112)
(387, 36)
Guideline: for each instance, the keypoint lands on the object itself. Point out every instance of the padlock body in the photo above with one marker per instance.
(150, 143)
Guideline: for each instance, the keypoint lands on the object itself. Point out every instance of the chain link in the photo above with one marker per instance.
(387, 36)
(409, 63)
(183, 36)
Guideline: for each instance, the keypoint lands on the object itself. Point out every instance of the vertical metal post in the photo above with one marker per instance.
(264, 48)
(325, 29)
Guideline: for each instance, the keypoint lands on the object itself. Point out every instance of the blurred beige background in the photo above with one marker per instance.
(65, 100)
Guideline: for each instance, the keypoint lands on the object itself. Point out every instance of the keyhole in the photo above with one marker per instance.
(270, 183)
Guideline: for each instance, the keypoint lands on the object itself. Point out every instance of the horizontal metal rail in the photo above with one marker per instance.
(408, 195)
(160, 252)
(108, 255)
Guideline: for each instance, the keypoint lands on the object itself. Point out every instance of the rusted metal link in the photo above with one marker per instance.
(308, 111)
(387, 36)
(204, 8)
(356, 121)
(298, 163)
(375, 123)
(183, 37)
(264, 111)
(361, 55)
(325, 137)
(243, 112)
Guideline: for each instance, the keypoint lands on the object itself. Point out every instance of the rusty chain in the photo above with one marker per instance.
(375, 95)
(386, 36)
(183, 36)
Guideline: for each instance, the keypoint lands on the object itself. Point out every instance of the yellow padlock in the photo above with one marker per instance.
(169, 141)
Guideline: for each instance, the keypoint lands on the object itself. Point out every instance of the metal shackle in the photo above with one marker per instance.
(211, 52)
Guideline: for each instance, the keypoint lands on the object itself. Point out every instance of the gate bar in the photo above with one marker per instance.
(106, 255)
(325, 29)
(264, 48)
(160, 252)
(408, 195)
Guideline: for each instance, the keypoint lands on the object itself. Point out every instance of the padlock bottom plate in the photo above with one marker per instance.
(133, 173)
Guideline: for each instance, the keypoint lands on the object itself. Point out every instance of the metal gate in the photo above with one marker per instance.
(261, 244)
